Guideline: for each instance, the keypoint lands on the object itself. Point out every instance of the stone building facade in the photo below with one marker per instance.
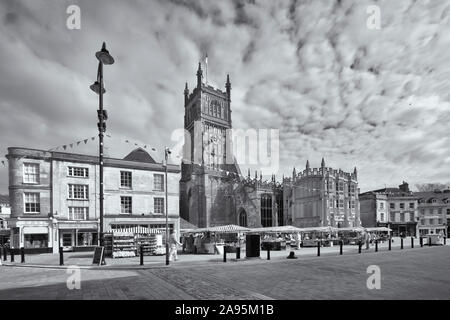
(322, 196)
(395, 208)
(55, 196)
(434, 212)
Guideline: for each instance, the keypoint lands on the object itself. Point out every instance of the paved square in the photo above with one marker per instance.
(420, 273)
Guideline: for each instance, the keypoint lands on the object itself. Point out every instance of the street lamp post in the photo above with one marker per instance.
(103, 57)
(166, 156)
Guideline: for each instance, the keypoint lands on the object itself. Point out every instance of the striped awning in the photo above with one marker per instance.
(230, 228)
(137, 229)
(378, 229)
(279, 229)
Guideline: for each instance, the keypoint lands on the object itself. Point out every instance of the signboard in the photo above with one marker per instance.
(98, 255)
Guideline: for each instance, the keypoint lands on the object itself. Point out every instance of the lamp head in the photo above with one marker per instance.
(103, 55)
(96, 87)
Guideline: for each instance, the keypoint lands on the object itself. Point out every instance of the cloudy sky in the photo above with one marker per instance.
(375, 99)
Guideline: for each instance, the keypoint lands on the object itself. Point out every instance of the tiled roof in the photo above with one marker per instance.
(139, 155)
(428, 195)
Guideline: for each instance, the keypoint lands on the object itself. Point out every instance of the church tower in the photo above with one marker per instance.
(208, 161)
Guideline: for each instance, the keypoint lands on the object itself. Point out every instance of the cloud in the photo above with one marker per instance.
(375, 99)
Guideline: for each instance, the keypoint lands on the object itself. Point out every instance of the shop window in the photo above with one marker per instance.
(36, 240)
(78, 172)
(125, 205)
(30, 173)
(86, 239)
(158, 184)
(158, 205)
(32, 203)
(125, 179)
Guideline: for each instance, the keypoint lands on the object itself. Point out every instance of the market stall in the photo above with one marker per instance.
(277, 238)
(351, 235)
(379, 233)
(326, 235)
(212, 240)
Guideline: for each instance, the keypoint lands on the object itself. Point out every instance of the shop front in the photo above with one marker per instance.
(78, 236)
(35, 235)
(407, 229)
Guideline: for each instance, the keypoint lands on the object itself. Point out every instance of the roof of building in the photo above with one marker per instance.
(138, 159)
(4, 198)
(186, 224)
(139, 155)
(427, 196)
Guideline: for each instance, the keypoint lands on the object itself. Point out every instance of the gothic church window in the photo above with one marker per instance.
(266, 210)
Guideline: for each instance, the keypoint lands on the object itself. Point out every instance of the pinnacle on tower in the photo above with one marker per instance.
(307, 164)
(323, 163)
(294, 173)
(186, 94)
(248, 173)
(260, 175)
(355, 172)
(199, 75)
(256, 174)
(228, 87)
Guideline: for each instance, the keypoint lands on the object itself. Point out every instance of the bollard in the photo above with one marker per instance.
(376, 245)
(421, 242)
(359, 246)
(1, 252)
(429, 241)
(5, 254)
(390, 243)
(11, 251)
(401, 243)
(61, 256)
(238, 253)
(268, 252)
(318, 248)
(341, 244)
(224, 254)
(412, 243)
(22, 255)
(445, 241)
(141, 253)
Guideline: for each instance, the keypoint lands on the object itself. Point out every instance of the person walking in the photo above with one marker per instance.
(173, 242)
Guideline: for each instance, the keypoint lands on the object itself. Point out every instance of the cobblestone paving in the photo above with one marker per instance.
(420, 273)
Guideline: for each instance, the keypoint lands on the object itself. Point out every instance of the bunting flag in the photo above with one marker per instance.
(85, 141)
(3, 163)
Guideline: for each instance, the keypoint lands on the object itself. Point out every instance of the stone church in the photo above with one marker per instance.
(212, 188)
